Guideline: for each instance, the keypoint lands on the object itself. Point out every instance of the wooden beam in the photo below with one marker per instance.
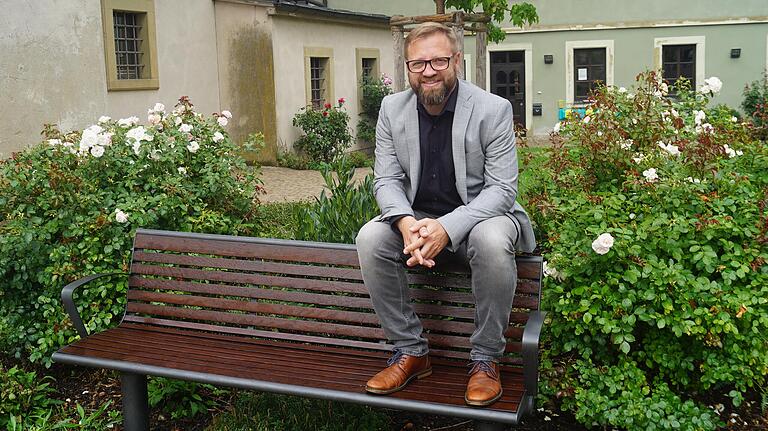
(458, 28)
(399, 56)
(443, 18)
(481, 38)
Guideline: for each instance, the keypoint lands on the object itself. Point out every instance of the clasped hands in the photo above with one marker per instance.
(423, 240)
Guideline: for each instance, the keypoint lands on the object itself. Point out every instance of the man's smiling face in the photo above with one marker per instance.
(433, 86)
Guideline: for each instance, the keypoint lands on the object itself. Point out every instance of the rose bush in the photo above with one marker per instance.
(373, 90)
(653, 213)
(326, 131)
(69, 208)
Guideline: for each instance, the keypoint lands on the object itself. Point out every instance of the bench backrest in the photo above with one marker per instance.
(298, 291)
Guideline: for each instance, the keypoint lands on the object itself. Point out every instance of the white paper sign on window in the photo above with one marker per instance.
(582, 74)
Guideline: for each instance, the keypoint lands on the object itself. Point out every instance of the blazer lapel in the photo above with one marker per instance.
(414, 149)
(460, 121)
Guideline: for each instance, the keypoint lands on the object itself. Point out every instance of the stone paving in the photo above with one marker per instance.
(290, 185)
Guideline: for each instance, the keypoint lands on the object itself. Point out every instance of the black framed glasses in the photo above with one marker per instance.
(437, 64)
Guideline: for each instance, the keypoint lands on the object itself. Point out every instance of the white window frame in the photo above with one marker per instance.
(470, 75)
(699, 41)
(570, 45)
(528, 49)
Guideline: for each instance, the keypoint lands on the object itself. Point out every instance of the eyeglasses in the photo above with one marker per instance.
(437, 64)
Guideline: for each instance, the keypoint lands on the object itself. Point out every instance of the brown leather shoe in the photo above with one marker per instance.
(484, 386)
(400, 371)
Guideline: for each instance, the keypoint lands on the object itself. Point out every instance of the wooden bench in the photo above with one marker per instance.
(294, 317)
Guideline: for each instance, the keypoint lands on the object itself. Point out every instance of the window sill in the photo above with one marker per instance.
(133, 84)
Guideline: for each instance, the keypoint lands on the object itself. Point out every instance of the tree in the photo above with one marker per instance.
(519, 13)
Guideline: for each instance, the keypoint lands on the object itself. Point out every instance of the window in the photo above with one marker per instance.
(130, 46)
(588, 62)
(679, 61)
(318, 70)
(589, 71)
(367, 63)
(318, 67)
(680, 57)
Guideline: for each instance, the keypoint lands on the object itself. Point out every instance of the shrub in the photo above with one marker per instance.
(655, 212)
(24, 397)
(755, 105)
(326, 131)
(69, 207)
(181, 399)
(338, 217)
(292, 160)
(373, 90)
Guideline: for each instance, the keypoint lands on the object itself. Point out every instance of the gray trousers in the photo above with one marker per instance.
(488, 250)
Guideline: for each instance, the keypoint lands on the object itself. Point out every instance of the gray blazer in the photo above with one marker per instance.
(484, 158)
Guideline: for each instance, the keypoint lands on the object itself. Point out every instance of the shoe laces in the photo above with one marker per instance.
(396, 358)
(486, 366)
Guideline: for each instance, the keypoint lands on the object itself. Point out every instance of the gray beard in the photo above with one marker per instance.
(434, 98)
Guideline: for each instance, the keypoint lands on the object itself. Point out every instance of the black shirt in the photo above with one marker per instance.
(437, 185)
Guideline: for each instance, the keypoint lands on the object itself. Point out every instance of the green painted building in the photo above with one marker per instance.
(547, 67)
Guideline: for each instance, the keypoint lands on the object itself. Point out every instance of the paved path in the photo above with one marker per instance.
(289, 185)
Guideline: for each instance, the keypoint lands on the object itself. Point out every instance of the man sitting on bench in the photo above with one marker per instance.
(446, 183)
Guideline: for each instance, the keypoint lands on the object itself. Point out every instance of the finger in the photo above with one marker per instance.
(424, 231)
(413, 245)
(418, 225)
(417, 254)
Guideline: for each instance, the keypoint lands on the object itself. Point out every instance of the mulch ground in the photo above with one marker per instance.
(91, 388)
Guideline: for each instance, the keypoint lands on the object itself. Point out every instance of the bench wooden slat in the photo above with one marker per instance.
(521, 300)
(232, 247)
(302, 297)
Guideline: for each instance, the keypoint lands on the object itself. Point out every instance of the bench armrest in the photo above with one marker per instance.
(69, 305)
(531, 335)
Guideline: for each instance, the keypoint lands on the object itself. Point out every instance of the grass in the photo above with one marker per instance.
(276, 220)
(270, 412)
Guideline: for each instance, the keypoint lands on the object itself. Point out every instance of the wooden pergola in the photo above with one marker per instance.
(460, 22)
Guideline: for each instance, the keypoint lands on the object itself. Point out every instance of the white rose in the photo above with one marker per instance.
(185, 128)
(159, 107)
(136, 147)
(693, 180)
(708, 128)
(650, 174)
(734, 119)
(103, 119)
(226, 114)
(120, 216)
(674, 112)
(639, 158)
(586, 119)
(622, 90)
(128, 122)
(699, 116)
(154, 119)
(550, 271)
(222, 121)
(217, 137)
(177, 121)
(182, 170)
(603, 243)
(154, 155)
(54, 142)
(556, 129)
(97, 151)
(193, 147)
(712, 85)
(626, 145)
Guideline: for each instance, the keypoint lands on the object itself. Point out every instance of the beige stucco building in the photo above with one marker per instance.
(253, 57)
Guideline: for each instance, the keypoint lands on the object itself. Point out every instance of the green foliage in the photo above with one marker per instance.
(755, 105)
(628, 400)
(69, 207)
(373, 90)
(326, 131)
(519, 14)
(677, 299)
(270, 412)
(359, 159)
(24, 397)
(276, 220)
(338, 217)
(181, 399)
(293, 160)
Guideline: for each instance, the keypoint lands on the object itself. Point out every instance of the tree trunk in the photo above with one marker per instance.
(439, 6)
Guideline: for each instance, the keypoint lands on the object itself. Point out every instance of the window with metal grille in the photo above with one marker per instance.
(129, 50)
(678, 61)
(318, 85)
(589, 70)
(369, 66)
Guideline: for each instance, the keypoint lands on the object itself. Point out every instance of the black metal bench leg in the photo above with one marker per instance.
(489, 426)
(135, 403)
